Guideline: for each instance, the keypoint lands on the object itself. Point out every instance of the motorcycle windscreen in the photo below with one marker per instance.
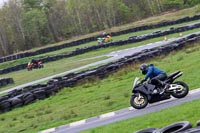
(136, 81)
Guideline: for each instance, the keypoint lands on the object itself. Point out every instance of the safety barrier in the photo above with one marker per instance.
(177, 127)
(6, 81)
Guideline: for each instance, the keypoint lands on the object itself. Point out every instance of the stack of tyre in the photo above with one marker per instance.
(6, 81)
(178, 127)
(27, 95)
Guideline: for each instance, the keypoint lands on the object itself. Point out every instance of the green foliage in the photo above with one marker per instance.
(34, 23)
(191, 2)
(177, 4)
(173, 4)
(45, 40)
(31, 4)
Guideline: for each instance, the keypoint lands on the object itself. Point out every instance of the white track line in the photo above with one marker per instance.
(77, 123)
(107, 115)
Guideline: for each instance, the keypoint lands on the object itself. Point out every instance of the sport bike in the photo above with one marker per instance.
(36, 65)
(143, 92)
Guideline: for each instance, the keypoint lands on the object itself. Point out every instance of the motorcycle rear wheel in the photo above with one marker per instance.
(40, 66)
(183, 93)
(139, 103)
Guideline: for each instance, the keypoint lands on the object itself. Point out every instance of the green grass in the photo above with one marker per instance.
(98, 96)
(20, 77)
(184, 112)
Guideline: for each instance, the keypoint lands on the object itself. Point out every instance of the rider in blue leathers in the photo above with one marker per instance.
(156, 75)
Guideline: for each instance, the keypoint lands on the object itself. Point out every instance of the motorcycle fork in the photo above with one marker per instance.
(139, 96)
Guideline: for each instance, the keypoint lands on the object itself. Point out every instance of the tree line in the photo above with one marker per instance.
(25, 24)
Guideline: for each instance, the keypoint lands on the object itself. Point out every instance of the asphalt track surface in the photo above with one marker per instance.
(122, 114)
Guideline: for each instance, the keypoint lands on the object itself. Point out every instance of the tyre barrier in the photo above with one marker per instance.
(192, 130)
(6, 81)
(177, 127)
(79, 51)
(32, 93)
(198, 123)
(89, 39)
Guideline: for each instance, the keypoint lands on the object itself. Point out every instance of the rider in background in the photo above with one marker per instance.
(104, 34)
(34, 62)
(106, 37)
(155, 74)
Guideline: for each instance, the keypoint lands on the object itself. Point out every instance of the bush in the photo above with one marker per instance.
(173, 4)
(45, 40)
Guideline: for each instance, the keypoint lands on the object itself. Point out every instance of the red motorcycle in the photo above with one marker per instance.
(34, 65)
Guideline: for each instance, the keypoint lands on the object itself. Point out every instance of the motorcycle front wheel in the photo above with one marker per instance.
(139, 101)
(183, 92)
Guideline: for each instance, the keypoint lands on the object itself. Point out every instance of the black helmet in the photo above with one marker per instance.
(143, 68)
(104, 34)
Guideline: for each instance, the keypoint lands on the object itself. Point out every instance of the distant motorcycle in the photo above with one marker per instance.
(143, 92)
(36, 65)
(104, 40)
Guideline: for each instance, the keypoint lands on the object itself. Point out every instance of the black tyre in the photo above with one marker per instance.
(39, 94)
(183, 92)
(198, 123)
(177, 127)
(139, 102)
(40, 66)
(17, 105)
(28, 98)
(15, 101)
(192, 130)
(147, 130)
(5, 106)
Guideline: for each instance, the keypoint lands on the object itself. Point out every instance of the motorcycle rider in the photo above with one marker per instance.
(156, 76)
(104, 34)
(34, 63)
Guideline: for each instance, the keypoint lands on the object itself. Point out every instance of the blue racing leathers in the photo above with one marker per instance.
(152, 72)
